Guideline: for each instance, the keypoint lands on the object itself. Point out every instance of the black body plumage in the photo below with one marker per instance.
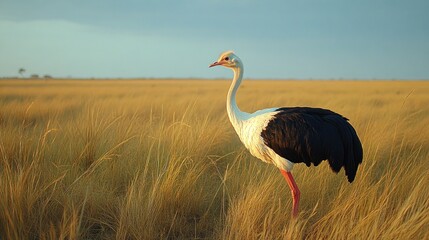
(311, 135)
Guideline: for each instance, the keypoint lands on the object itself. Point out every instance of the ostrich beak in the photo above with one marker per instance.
(216, 64)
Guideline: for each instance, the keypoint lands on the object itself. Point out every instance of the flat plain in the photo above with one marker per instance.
(158, 159)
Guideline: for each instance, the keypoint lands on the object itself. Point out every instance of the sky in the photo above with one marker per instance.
(280, 39)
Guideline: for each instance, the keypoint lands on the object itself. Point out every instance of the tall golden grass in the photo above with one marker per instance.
(157, 159)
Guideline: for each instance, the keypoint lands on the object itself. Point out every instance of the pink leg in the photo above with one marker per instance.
(294, 190)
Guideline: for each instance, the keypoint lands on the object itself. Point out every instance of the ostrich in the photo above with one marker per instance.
(288, 135)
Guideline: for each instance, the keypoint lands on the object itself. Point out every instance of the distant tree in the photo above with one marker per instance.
(47, 76)
(21, 72)
(34, 76)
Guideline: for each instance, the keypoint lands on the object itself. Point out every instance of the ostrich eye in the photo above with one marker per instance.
(227, 58)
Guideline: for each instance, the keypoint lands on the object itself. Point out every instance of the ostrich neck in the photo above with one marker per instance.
(235, 115)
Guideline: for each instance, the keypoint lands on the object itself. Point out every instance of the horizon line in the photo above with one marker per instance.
(205, 78)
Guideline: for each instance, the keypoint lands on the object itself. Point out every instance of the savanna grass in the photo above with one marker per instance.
(156, 159)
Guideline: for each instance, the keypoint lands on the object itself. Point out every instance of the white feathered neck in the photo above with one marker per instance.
(236, 116)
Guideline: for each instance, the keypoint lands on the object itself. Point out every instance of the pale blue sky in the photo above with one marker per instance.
(160, 38)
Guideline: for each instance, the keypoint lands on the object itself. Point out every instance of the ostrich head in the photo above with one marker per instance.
(228, 59)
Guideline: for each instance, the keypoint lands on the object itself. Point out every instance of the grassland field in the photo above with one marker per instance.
(158, 159)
